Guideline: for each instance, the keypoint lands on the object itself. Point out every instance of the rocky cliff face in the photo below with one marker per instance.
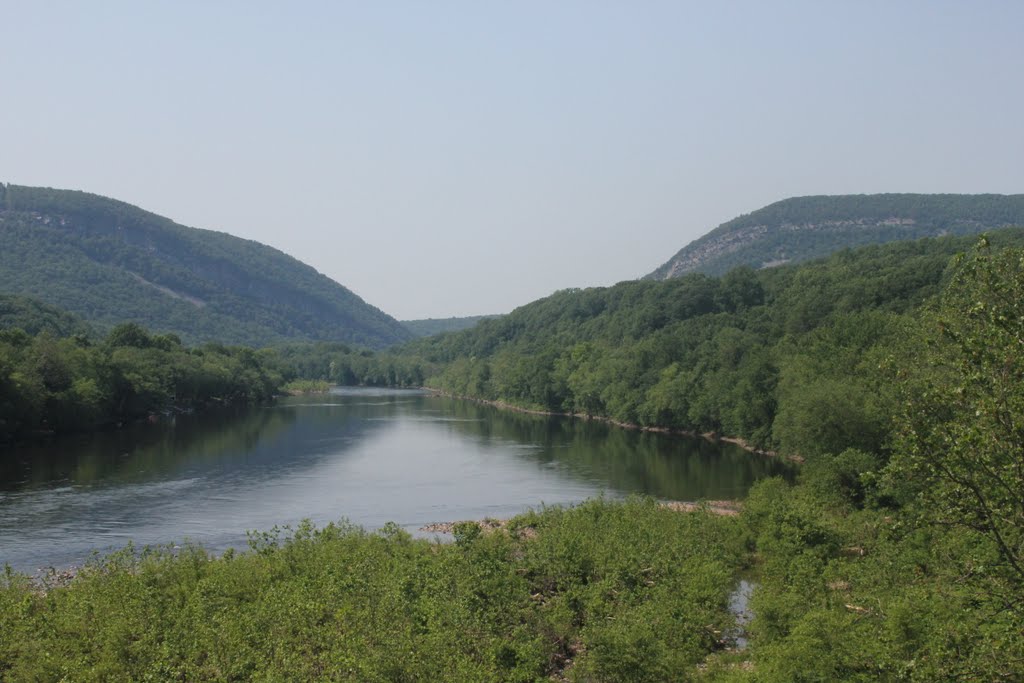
(803, 228)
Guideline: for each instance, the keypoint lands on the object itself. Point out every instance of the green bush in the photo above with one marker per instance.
(600, 592)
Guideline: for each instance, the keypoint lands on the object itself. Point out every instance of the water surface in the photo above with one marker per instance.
(368, 456)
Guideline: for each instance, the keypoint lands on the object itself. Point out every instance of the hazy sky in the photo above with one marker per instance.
(457, 158)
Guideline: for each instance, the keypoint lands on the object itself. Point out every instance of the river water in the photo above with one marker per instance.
(369, 456)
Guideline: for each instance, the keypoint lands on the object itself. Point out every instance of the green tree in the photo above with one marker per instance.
(960, 439)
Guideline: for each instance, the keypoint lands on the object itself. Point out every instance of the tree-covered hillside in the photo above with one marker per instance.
(784, 358)
(802, 228)
(33, 317)
(111, 262)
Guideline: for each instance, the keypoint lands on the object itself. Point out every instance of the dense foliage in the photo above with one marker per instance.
(803, 228)
(785, 358)
(850, 589)
(51, 384)
(111, 262)
(600, 592)
(959, 446)
(33, 316)
(906, 564)
(342, 364)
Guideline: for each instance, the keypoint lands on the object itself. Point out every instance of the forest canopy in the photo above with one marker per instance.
(51, 384)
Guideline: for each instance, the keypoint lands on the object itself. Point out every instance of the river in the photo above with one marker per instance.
(366, 455)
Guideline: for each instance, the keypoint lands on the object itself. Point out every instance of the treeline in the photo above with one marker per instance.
(51, 384)
(339, 363)
(786, 358)
(58, 376)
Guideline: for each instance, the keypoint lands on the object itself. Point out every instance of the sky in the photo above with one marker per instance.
(461, 158)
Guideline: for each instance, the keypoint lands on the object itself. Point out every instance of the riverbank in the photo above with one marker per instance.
(709, 436)
(581, 597)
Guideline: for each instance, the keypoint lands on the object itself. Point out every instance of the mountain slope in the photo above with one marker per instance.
(34, 316)
(802, 228)
(111, 262)
(748, 354)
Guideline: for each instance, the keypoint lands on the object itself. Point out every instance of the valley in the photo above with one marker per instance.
(168, 469)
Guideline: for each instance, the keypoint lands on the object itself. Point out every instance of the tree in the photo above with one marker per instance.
(960, 434)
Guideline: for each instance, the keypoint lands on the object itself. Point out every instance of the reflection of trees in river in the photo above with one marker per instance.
(300, 433)
(261, 438)
(662, 465)
(144, 451)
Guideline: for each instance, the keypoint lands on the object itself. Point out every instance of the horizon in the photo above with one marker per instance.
(503, 154)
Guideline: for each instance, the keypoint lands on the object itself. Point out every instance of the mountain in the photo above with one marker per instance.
(428, 327)
(803, 228)
(111, 262)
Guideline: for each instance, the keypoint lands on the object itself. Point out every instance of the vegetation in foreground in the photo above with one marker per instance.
(603, 591)
(908, 563)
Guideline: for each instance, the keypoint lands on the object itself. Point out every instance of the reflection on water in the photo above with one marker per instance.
(370, 456)
(660, 465)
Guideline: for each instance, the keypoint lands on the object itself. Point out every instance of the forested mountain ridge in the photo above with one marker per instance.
(112, 262)
(802, 228)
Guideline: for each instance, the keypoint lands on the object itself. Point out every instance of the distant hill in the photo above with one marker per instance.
(803, 228)
(428, 327)
(111, 262)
